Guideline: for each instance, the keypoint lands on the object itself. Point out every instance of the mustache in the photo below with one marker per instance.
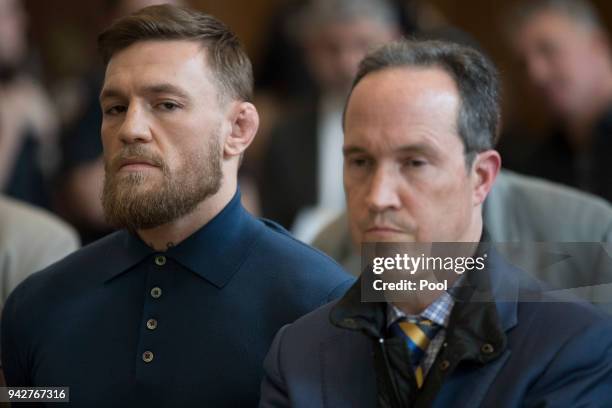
(134, 152)
(388, 220)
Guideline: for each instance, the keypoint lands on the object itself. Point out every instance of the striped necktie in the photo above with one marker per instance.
(417, 336)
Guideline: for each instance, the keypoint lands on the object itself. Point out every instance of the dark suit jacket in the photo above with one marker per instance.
(288, 181)
(553, 355)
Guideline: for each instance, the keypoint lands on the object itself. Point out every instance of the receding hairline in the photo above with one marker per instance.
(405, 69)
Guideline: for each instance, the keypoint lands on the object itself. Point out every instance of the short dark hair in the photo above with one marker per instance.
(228, 61)
(478, 120)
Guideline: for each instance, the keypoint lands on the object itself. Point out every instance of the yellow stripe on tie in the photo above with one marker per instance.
(416, 335)
(418, 373)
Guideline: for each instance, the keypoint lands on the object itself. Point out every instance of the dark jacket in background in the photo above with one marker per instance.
(288, 180)
(592, 171)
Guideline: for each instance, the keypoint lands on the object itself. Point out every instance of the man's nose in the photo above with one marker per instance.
(383, 194)
(135, 127)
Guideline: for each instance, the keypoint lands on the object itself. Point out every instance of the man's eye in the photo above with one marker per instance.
(415, 163)
(168, 106)
(115, 110)
(359, 162)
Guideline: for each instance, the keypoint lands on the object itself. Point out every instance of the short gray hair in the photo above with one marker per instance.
(478, 120)
(580, 11)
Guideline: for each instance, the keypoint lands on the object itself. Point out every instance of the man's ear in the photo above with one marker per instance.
(244, 121)
(485, 168)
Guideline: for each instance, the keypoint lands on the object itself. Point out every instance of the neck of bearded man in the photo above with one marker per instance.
(172, 233)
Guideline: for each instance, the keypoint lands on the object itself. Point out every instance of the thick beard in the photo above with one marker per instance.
(133, 202)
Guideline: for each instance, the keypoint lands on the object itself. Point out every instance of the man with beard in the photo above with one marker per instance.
(179, 307)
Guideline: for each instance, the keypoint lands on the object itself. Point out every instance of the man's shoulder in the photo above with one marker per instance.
(558, 328)
(61, 284)
(281, 248)
(563, 316)
(289, 266)
(23, 221)
(518, 195)
(541, 190)
(316, 328)
(305, 335)
(84, 265)
(564, 342)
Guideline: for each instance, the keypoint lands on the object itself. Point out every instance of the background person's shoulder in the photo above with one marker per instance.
(84, 266)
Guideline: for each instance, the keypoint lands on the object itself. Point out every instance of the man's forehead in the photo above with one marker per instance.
(163, 60)
(405, 82)
(397, 107)
(393, 93)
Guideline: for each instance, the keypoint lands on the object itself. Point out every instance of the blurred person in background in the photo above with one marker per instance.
(30, 240)
(82, 168)
(283, 81)
(566, 54)
(300, 182)
(28, 124)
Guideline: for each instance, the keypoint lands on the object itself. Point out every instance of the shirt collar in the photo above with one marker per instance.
(215, 252)
(438, 311)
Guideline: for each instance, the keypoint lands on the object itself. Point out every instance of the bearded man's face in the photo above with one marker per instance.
(161, 132)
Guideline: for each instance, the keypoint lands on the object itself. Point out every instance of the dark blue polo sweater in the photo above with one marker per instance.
(123, 325)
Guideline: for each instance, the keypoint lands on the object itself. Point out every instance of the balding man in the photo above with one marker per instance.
(420, 128)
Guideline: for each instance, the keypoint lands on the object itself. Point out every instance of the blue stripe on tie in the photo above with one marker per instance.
(416, 353)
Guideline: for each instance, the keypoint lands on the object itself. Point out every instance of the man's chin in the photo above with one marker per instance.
(387, 236)
(140, 181)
